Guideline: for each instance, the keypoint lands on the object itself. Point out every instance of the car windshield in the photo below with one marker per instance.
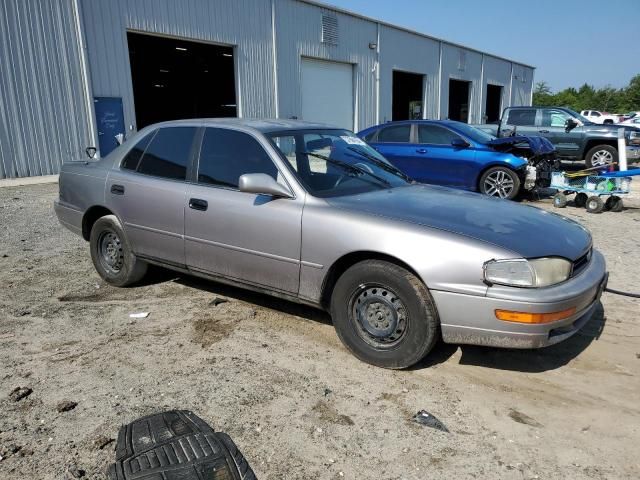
(473, 133)
(332, 163)
(578, 116)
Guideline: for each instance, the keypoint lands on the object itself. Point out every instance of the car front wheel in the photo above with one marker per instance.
(601, 156)
(500, 182)
(111, 254)
(384, 314)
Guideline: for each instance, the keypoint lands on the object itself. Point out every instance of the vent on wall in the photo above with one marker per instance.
(329, 29)
(462, 60)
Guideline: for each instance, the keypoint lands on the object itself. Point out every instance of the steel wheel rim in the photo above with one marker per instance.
(110, 251)
(499, 184)
(379, 316)
(593, 204)
(601, 157)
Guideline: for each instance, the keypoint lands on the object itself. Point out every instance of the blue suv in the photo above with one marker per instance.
(454, 154)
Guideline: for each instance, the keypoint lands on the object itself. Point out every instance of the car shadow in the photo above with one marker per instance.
(158, 275)
(530, 361)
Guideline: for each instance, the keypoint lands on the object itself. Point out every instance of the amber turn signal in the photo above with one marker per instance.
(526, 317)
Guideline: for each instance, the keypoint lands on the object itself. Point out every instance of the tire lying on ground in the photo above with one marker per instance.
(112, 255)
(384, 314)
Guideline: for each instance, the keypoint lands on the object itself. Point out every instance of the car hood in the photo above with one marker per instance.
(525, 230)
(537, 145)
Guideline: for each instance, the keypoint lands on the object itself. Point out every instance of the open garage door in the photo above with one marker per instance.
(327, 92)
(494, 102)
(408, 89)
(174, 79)
(459, 99)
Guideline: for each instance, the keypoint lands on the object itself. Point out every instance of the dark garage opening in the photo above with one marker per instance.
(459, 95)
(494, 100)
(174, 79)
(407, 95)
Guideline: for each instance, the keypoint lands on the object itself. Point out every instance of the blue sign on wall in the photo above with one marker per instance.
(110, 121)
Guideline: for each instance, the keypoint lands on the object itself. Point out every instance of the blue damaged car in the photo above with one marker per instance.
(454, 154)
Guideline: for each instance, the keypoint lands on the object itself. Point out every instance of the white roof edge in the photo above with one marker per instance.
(408, 30)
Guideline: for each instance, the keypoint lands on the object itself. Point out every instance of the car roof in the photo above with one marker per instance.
(263, 125)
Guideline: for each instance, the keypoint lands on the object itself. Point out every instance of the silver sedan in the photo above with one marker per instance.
(312, 214)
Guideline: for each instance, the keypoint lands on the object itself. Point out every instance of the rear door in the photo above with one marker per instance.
(394, 143)
(553, 126)
(246, 237)
(147, 192)
(523, 120)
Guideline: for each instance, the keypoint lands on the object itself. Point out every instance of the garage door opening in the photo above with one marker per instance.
(459, 97)
(327, 92)
(494, 102)
(174, 79)
(408, 91)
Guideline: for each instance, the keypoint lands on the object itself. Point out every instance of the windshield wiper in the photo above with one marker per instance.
(349, 168)
(383, 165)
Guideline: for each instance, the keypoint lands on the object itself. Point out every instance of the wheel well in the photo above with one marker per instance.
(482, 172)
(345, 262)
(90, 217)
(608, 121)
(595, 143)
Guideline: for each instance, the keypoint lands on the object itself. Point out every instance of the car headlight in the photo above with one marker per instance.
(540, 272)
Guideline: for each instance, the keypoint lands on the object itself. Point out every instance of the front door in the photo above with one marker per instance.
(553, 126)
(242, 236)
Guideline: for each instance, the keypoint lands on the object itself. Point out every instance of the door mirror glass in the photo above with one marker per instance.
(262, 184)
(91, 152)
(570, 124)
(459, 143)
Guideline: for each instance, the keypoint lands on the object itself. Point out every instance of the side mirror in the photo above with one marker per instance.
(459, 143)
(570, 124)
(91, 152)
(263, 184)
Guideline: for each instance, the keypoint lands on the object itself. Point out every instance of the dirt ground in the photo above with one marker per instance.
(275, 377)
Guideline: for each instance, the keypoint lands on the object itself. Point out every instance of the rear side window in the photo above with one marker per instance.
(369, 136)
(435, 135)
(168, 154)
(522, 117)
(226, 155)
(132, 159)
(397, 134)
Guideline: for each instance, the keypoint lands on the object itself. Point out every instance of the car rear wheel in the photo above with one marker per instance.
(601, 156)
(384, 314)
(500, 182)
(111, 255)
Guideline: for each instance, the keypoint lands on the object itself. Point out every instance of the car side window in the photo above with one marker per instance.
(167, 155)
(554, 118)
(132, 159)
(395, 134)
(595, 114)
(369, 136)
(525, 117)
(226, 155)
(435, 135)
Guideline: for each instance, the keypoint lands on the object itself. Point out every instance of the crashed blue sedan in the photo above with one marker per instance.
(454, 154)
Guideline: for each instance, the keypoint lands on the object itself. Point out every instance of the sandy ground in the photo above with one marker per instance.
(275, 377)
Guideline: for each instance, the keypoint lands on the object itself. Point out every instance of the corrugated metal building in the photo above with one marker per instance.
(77, 72)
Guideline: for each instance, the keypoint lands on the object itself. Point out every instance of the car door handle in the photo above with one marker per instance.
(198, 204)
(421, 150)
(117, 189)
(543, 131)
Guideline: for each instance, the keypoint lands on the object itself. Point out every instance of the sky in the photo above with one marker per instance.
(570, 42)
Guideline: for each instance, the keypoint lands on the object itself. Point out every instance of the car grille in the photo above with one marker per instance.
(581, 263)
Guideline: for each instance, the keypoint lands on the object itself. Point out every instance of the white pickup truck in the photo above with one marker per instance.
(599, 117)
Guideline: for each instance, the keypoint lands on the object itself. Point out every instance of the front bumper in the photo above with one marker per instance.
(633, 153)
(481, 327)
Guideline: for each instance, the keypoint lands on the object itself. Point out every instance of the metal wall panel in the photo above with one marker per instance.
(461, 64)
(244, 24)
(43, 107)
(299, 34)
(405, 51)
(522, 85)
(496, 71)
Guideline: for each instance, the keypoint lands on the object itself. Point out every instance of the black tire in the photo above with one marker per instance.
(580, 200)
(111, 254)
(559, 200)
(500, 182)
(243, 467)
(595, 204)
(614, 204)
(375, 291)
(600, 156)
